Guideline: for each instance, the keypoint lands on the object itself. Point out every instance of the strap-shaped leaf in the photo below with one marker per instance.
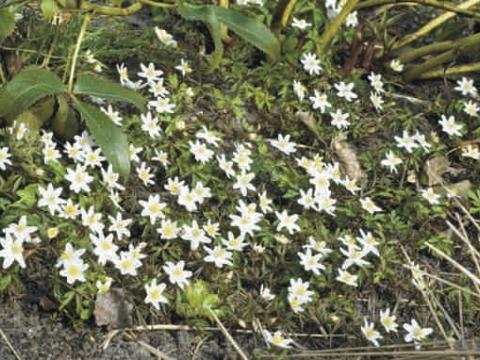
(88, 84)
(7, 23)
(107, 135)
(250, 30)
(206, 14)
(26, 89)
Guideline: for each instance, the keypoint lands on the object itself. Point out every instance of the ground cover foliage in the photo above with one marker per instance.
(315, 193)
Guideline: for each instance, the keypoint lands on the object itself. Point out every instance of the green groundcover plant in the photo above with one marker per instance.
(280, 196)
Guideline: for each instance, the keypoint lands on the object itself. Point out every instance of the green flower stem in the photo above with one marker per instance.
(81, 34)
(469, 45)
(335, 25)
(282, 15)
(435, 48)
(426, 29)
(157, 4)
(452, 71)
(113, 11)
(443, 5)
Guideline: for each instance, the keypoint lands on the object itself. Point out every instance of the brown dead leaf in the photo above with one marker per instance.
(436, 167)
(347, 157)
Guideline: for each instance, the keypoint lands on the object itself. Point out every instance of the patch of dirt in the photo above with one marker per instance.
(38, 335)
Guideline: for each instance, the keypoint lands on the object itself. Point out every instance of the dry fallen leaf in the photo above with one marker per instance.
(347, 157)
(436, 167)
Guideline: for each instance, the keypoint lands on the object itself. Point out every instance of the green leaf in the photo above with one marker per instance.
(7, 23)
(250, 30)
(26, 89)
(108, 136)
(49, 8)
(206, 14)
(65, 123)
(5, 281)
(88, 84)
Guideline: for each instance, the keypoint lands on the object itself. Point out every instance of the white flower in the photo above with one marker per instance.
(4, 158)
(339, 119)
(150, 73)
(320, 101)
(127, 263)
(50, 198)
(12, 251)
(422, 141)
(299, 289)
(158, 88)
(144, 173)
(244, 183)
(368, 242)
(376, 82)
(300, 24)
(307, 199)
(162, 157)
(162, 105)
(396, 65)
(226, 166)
(50, 153)
(471, 108)
(369, 205)
(311, 64)
(234, 243)
(200, 151)
(91, 219)
(93, 158)
(352, 19)
(69, 254)
(187, 199)
(265, 202)
(354, 256)
(164, 37)
(391, 161)
(79, 179)
(113, 115)
(377, 101)
(266, 293)
(311, 262)
(104, 249)
(449, 126)
(155, 294)
(168, 229)
(208, 136)
(430, 196)
(150, 125)
(153, 208)
(119, 225)
(299, 89)
(74, 270)
(370, 333)
(415, 332)
(347, 278)
(176, 273)
(104, 286)
(345, 91)
(110, 178)
(184, 67)
(195, 234)
(21, 230)
(284, 144)
(466, 87)
(175, 185)
(407, 142)
(219, 256)
(388, 321)
(288, 222)
(277, 339)
(471, 151)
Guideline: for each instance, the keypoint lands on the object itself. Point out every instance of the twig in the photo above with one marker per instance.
(159, 354)
(451, 71)
(228, 336)
(10, 346)
(471, 276)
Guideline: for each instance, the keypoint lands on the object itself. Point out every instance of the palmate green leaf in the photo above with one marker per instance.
(250, 30)
(7, 23)
(206, 14)
(88, 84)
(107, 135)
(26, 89)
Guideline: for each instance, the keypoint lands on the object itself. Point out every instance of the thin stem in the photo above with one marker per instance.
(83, 29)
(228, 336)
(332, 28)
(157, 4)
(431, 3)
(282, 15)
